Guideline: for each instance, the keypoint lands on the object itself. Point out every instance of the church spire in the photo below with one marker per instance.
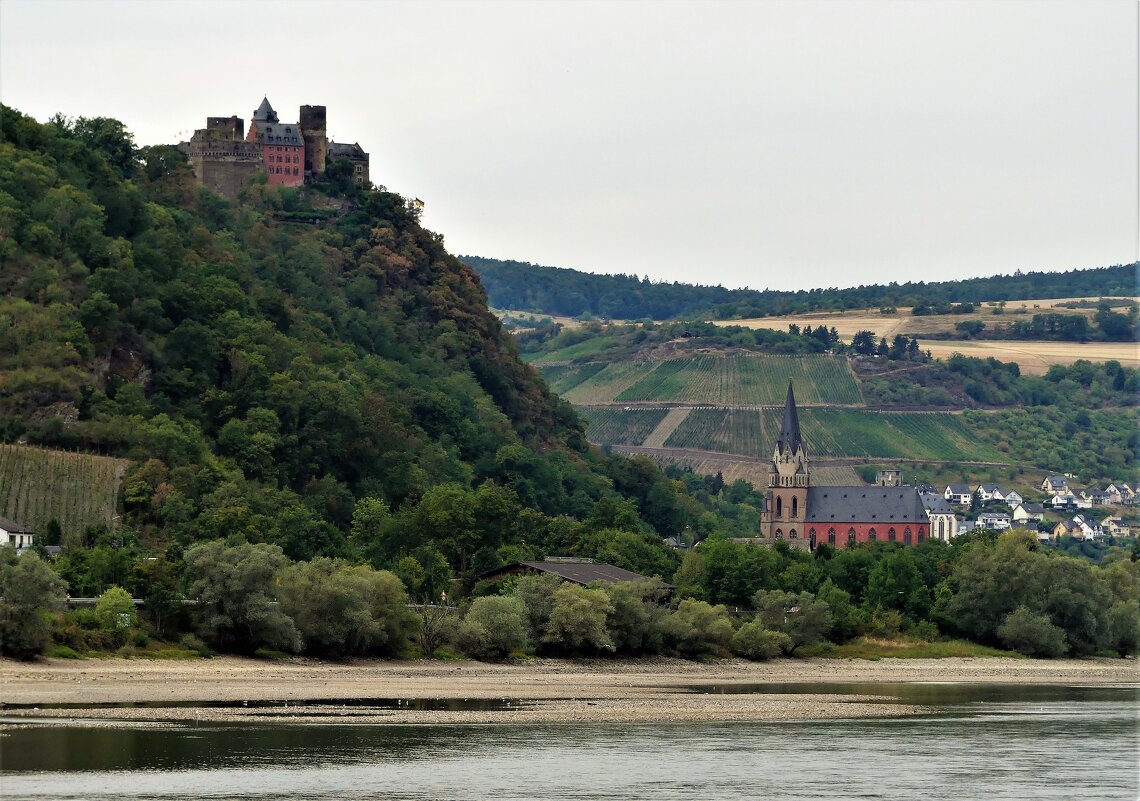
(789, 440)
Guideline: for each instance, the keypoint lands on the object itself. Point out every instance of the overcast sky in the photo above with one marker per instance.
(762, 144)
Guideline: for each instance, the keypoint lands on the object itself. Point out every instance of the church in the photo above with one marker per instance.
(806, 516)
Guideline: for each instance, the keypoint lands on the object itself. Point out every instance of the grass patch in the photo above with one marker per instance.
(62, 652)
(270, 654)
(873, 649)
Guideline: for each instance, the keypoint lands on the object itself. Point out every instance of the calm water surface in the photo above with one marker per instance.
(981, 742)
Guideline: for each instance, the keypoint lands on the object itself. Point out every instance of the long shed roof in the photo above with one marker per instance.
(576, 571)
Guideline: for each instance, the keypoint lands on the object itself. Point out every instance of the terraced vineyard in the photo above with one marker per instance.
(830, 432)
(620, 426)
(734, 379)
(77, 489)
(722, 430)
(907, 435)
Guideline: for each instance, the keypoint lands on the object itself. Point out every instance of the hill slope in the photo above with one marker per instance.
(560, 291)
(270, 365)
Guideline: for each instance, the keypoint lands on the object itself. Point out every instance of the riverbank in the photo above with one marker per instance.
(541, 690)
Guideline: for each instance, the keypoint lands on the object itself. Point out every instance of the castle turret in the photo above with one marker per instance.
(314, 132)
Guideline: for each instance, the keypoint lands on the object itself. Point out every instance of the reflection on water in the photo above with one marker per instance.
(993, 742)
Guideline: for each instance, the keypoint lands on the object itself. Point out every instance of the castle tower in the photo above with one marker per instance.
(785, 505)
(313, 131)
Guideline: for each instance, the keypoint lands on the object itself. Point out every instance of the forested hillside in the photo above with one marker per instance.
(555, 290)
(308, 368)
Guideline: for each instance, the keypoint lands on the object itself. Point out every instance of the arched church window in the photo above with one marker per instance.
(792, 534)
(872, 535)
(906, 537)
(795, 508)
(779, 533)
(851, 535)
(831, 536)
(891, 536)
(779, 506)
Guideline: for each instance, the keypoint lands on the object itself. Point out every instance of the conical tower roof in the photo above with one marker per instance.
(265, 112)
(790, 440)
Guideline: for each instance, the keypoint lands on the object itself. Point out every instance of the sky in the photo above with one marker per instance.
(776, 145)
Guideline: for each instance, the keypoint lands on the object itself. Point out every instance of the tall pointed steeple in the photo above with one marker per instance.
(790, 441)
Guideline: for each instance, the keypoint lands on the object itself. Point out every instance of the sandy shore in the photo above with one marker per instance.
(539, 691)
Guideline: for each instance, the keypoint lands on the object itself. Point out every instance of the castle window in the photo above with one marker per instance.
(831, 536)
(891, 535)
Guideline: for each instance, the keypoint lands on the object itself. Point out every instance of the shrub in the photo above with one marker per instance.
(493, 627)
(799, 615)
(697, 627)
(189, 642)
(537, 594)
(1124, 627)
(115, 611)
(1032, 634)
(753, 641)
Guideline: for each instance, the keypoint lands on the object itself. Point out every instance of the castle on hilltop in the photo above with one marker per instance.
(225, 156)
(805, 516)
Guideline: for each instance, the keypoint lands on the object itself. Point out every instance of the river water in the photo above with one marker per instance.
(979, 742)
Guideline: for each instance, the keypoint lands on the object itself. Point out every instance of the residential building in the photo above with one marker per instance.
(959, 494)
(14, 534)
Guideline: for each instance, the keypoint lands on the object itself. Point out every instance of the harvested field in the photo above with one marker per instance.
(1035, 358)
(666, 427)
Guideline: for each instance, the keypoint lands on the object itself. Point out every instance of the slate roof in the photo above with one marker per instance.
(12, 527)
(1033, 508)
(936, 504)
(337, 150)
(275, 133)
(960, 489)
(989, 489)
(790, 439)
(265, 112)
(864, 505)
(576, 571)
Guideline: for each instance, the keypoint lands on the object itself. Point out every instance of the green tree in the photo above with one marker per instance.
(1032, 633)
(236, 589)
(805, 620)
(697, 627)
(342, 610)
(115, 610)
(635, 622)
(494, 627)
(578, 620)
(536, 591)
(29, 592)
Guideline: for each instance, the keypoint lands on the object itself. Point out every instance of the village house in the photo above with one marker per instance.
(1063, 502)
(1054, 484)
(958, 493)
(1114, 527)
(995, 521)
(1089, 527)
(12, 533)
(1069, 528)
(1028, 512)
